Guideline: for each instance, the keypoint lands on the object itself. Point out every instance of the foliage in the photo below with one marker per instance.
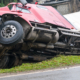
(5, 2)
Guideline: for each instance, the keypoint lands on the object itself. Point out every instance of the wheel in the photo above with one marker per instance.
(13, 61)
(11, 32)
(4, 62)
(17, 61)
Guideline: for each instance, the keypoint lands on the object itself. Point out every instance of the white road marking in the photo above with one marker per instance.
(40, 72)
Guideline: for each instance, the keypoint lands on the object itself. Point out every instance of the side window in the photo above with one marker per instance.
(23, 10)
(10, 6)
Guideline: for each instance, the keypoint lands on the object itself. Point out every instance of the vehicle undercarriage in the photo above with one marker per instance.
(37, 47)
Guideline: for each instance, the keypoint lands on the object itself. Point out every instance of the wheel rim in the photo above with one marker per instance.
(9, 31)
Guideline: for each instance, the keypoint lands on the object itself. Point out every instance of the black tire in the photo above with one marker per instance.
(4, 62)
(16, 38)
(14, 61)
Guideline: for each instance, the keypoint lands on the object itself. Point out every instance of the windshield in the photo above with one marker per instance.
(22, 9)
(10, 6)
(18, 7)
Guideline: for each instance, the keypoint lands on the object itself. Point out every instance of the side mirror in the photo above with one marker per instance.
(24, 2)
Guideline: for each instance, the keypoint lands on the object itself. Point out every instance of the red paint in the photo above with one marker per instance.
(36, 2)
(49, 15)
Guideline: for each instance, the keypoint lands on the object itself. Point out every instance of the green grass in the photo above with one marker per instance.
(59, 61)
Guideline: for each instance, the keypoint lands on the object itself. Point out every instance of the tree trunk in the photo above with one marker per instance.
(74, 5)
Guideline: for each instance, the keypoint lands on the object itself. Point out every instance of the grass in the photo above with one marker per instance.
(59, 61)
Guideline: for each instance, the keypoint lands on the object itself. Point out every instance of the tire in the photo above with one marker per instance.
(4, 62)
(11, 32)
(14, 61)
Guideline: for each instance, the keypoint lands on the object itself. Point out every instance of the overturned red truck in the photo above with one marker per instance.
(25, 27)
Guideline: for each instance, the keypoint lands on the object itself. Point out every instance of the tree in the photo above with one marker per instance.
(74, 5)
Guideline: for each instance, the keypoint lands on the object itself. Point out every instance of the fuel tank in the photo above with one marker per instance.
(42, 35)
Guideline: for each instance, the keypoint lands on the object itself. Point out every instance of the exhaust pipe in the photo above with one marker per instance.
(60, 44)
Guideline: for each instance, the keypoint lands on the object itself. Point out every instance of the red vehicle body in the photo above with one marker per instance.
(38, 14)
(30, 27)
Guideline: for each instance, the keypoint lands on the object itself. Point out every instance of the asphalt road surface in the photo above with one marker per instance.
(72, 73)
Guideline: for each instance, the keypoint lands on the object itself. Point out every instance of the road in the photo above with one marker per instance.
(72, 73)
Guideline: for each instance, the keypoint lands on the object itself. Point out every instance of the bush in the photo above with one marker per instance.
(5, 2)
